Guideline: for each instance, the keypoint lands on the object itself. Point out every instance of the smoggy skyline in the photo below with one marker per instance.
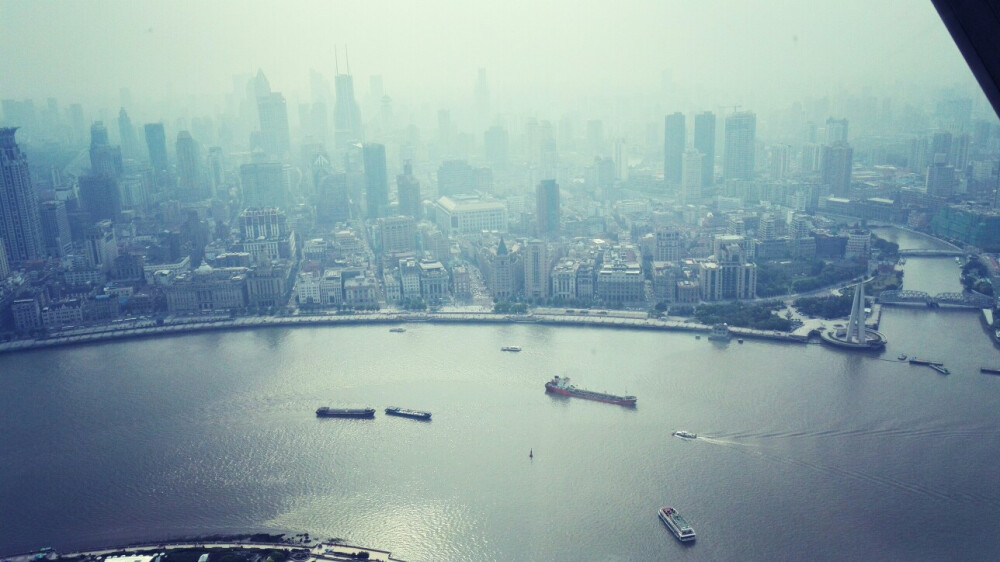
(536, 54)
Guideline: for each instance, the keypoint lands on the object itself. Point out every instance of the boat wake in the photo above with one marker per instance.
(854, 475)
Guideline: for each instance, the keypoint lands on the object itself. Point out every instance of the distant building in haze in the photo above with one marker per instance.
(129, 141)
(190, 182)
(273, 113)
(836, 131)
(408, 193)
(673, 147)
(346, 113)
(704, 142)
(547, 208)
(691, 176)
(104, 159)
(741, 136)
(836, 168)
(376, 181)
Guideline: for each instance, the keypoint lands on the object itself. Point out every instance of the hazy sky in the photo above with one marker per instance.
(430, 49)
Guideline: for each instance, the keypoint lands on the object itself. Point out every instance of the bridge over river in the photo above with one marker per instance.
(970, 300)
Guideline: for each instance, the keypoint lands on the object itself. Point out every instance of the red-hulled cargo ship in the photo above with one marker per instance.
(560, 385)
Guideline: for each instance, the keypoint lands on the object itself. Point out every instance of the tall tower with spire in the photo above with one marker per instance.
(346, 113)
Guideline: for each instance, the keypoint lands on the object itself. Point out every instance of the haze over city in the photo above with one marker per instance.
(639, 280)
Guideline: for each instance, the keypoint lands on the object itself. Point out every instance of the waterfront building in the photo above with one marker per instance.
(669, 245)
(101, 246)
(664, 281)
(27, 315)
(206, 289)
(976, 226)
(620, 282)
(727, 275)
(409, 278)
(361, 291)
(464, 215)
(433, 280)
(20, 224)
(62, 312)
(536, 269)
(564, 275)
(267, 284)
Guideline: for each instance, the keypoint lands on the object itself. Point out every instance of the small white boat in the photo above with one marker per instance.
(685, 434)
(513, 348)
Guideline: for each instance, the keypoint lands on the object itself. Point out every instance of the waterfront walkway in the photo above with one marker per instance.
(310, 552)
(185, 325)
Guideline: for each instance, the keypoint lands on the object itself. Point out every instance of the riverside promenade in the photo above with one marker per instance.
(311, 552)
(194, 324)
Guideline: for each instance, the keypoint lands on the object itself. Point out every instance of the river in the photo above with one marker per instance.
(803, 452)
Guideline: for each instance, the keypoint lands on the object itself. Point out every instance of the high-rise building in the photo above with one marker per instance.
(104, 159)
(455, 177)
(376, 181)
(398, 234)
(940, 144)
(55, 228)
(4, 263)
(129, 141)
(536, 269)
(547, 208)
(836, 131)
(780, 156)
(408, 193)
(216, 171)
(741, 136)
(100, 197)
(673, 147)
(704, 142)
(346, 113)
(273, 114)
(836, 168)
(940, 179)
(691, 174)
(156, 143)
(20, 225)
(495, 142)
(264, 184)
(190, 182)
(333, 199)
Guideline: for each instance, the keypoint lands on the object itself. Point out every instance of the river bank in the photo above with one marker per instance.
(103, 334)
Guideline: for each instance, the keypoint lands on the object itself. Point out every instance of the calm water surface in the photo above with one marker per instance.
(807, 453)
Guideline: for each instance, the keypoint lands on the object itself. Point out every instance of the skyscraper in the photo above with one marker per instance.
(273, 114)
(104, 159)
(673, 147)
(741, 134)
(495, 143)
(264, 185)
(55, 228)
(376, 180)
(836, 131)
(129, 140)
(940, 179)
(20, 225)
(536, 269)
(837, 162)
(691, 172)
(408, 193)
(704, 142)
(346, 113)
(189, 170)
(100, 197)
(547, 207)
(156, 143)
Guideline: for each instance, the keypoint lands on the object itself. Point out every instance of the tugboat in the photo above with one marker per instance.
(397, 330)
(677, 524)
